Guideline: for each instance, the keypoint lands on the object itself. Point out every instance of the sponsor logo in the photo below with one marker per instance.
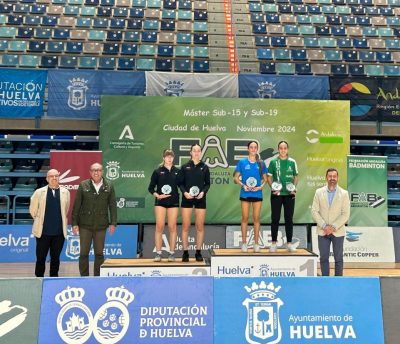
(357, 89)
(66, 181)
(174, 88)
(266, 90)
(314, 136)
(77, 93)
(130, 202)
(75, 321)
(353, 236)
(366, 200)
(112, 170)
(263, 305)
(11, 316)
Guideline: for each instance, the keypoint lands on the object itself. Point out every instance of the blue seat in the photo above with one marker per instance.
(154, 3)
(333, 55)
(325, 42)
(303, 68)
(323, 30)
(168, 14)
(200, 38)
(88, 11)
(19, 46)
(357, 10)
(126, 63)
(15, 20)
(272, 18)
(117, 23)
(386, 11)
(49, 21)
(393, 21)
(370, 31)
(284, 8)
(262, 41)
(328, 9)
(200, 15)
(366, 2)
(167, 25)
(113, 35)
(38, 9)
(182, 65)
(54, 47)
(6, 8)
(9, 60)
(150, 24)
(121, 12)
(25, 184)
(259, 28)
(372, 11)
(291, 29)
(267, 68)
(42, 33)
(145, 64)
(278, 41)
(374, 70)
(349, 20)
(344, 42)
(3, 45)
(338, 30)
(84, 22)
(367, 56)
(110, 48)
(104, 11)
(147, 50)
(71, 10)
(150, 37)
(350, 55)
(390, 70)
(88, 62)
(256, 17)
(128, 49)
(339, 69)
(106, 63)
(201, 66)
(363, 21)
(183, 51)
(282, 54)
(37, 46)
(360, 43)
(101, 23)
(131, 36)
(201, 52)
(29, 61)
(6, 165)
(49, 61)
(92, 2)
(200, 26)
(74, 47)
(392, 44)
(313, 9)
(164, 65)
(285, 68)
(165, 50)
(134, 24)
(299, 9)
(183, 38)
(185, 4)
(255, 7)
(310, 42)
(139, 3)
(32, 20)
(384, 56)
(171, 4)
(303, 19)
(21, 8)
(60, 33)
(299, 54)
(184, 15)
(136, 13)
(357, 70)
(106, 2)
(68, 62)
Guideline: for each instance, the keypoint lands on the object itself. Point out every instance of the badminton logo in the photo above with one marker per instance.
(366, 200)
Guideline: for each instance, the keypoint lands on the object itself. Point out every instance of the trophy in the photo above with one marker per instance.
(290, 187)
(166, 189)
(251, 182)
(276, 187)
(194, 191)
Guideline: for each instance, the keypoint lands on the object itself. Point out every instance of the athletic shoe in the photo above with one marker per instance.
(171, 257)
(291, 248)
(244, 247)
(256, 248)
(157, 258)
(198, 256)
(273, 248)
(185, 256)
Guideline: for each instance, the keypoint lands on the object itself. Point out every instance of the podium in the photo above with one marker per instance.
(148, 267)
(233, 262)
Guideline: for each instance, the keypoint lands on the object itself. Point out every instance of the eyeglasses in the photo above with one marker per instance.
(54, 176)
(96, 170)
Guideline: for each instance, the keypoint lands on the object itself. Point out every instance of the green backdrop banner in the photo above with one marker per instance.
(367, 181)
(135, 130)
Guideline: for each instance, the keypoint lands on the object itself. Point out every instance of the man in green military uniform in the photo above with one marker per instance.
(94, 210)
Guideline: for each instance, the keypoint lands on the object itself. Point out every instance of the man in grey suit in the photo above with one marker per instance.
(94, 210)
(331, 210)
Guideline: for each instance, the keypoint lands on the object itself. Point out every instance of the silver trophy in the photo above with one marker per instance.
(166, 189)
(251, 182)
(276, 187)
(194, 191)
(290, 187)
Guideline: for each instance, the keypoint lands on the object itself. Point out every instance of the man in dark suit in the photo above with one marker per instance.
(94, 210)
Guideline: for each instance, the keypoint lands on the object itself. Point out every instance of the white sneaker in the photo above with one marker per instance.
(244, 247)
(291, 248)
(273, 248)
(157, 257)
(256, 248)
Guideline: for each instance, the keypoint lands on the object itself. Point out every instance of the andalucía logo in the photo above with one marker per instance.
(356, 87)
(263, 305)
(75, 322)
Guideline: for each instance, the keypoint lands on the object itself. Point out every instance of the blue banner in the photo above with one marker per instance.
(22, 93)
(17, 244)
(122, 244)
(283, 87)
(76, 94)
(127, 310)
(298, 310)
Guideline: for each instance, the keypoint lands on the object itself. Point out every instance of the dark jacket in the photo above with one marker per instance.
(94, 211)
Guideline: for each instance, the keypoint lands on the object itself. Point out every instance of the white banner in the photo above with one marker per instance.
(364, 244)
(156, 270)
(192, 85)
